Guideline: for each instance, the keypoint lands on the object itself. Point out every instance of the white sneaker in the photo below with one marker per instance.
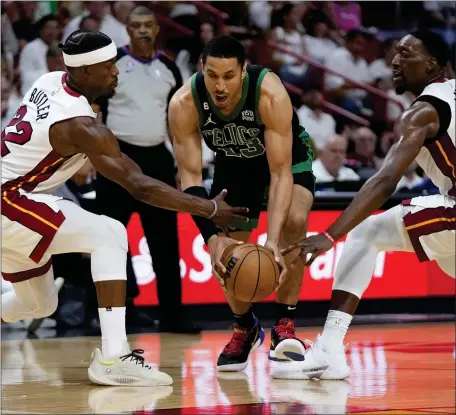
(316, 358)
(129, 369)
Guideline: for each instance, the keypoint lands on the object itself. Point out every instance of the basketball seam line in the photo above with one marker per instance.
(273, 266)
(258, 276)
(235, 277)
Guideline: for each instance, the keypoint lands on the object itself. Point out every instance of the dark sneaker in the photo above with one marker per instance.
(235, 355)
(285, 346)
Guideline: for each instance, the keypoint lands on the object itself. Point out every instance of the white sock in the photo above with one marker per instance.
(113, 333)
(335, 329)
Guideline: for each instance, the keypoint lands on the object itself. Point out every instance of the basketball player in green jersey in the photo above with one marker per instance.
(244, 114)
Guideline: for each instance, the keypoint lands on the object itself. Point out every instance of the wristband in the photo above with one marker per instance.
(333, 241)
(215, 209)
(206, 227)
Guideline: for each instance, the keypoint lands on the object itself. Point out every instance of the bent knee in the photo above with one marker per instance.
(44, 307)
(295, 227)
(448, 266)
(116, 232)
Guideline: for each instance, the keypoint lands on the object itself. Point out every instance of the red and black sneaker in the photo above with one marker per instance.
(235, 355)
(285, 346)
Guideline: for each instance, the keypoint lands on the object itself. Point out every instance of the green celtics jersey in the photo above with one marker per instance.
(238, 138)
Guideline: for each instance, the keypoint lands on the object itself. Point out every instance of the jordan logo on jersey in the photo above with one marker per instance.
(209, 120)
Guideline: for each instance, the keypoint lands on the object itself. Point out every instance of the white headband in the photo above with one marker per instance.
(91, 58)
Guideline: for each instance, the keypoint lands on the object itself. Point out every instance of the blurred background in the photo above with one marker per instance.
(334, 58)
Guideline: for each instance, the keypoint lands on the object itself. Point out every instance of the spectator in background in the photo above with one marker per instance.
(137, 115)
(410, 179)
(318, 43)
(190, 60)
(381, 73)
(6, 92)
(329, 166)
(32, 60)
(121, 10)
(361, 158)
(24, 27)
(10, 45)
(292, 70)
(109, 24)
(260, 13)
(54, 59)
(382, 67)
(320, 125)
(347, 15)
(438, 14)
(349, 61)
(90, 23)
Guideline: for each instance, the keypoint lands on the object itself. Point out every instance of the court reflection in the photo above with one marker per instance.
(392, 367)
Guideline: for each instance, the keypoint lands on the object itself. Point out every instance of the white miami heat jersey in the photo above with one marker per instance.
(29, 162)
(438, 156)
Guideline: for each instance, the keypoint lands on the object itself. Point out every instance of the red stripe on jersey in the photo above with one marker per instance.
(427, 222)
(36, 216)
(27, 275)
(443, 152)
(67, 89)
(40, 173)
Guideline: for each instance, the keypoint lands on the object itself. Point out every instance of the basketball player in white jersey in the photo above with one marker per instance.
(48, 140)
(425, 132)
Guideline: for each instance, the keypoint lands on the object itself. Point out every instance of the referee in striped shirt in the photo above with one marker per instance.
(137, 115)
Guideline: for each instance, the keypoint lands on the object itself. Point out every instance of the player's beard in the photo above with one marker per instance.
(401, 89)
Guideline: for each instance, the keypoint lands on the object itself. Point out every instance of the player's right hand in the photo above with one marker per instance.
(217, 245)
(226, 213)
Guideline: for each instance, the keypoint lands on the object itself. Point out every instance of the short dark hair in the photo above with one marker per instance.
(42, 22)
(353, 34)
(89, 17)
(81, 41)
(140, 11)
(224, 47)
(435, 46)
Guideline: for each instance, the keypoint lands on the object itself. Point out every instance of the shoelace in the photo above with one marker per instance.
(234, 347)
(134, 356)
(286, 329)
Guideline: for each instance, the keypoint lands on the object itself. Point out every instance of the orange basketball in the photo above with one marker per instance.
(251, 272)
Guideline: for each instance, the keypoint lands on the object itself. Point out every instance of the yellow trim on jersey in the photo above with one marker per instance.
(446, 158)
(428, 222)
(30, 213)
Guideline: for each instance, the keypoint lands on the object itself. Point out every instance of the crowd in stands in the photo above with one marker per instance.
(350, 127)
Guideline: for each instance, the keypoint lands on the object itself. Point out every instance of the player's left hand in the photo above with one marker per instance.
(314, 245)
(280, 261)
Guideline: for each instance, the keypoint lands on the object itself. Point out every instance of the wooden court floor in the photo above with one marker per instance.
(398, 369)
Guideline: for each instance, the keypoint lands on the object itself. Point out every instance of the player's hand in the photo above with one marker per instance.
(314, 245)
(84, 173)
(280, 261)
(226, 213)
(216, 245)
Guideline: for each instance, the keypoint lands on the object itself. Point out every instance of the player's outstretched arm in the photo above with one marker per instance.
(91, 137)
(412, 128)
(276, 113)
(186, 138)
